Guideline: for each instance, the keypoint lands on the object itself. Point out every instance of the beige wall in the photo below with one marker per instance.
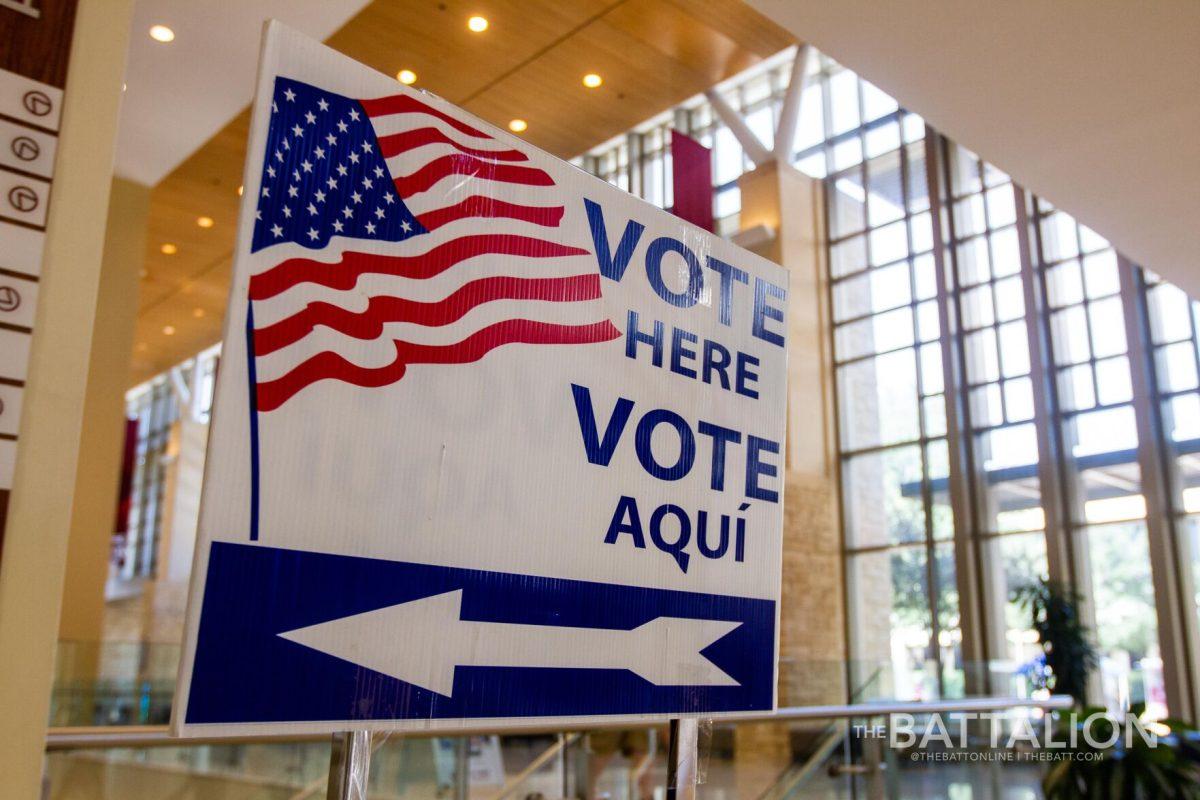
(39, 520)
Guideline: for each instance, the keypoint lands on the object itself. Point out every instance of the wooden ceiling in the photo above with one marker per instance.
(652, 54)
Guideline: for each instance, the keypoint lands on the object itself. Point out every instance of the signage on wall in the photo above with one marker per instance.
(492, 438)
(33, 72)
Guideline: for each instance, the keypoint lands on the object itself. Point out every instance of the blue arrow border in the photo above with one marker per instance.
(243, 671)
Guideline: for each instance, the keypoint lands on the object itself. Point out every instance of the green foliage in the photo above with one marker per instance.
(1054, 611)
(1125, 771)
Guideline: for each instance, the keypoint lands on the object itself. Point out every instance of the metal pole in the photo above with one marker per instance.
(462, 772)
(349, 766)
(682, 759)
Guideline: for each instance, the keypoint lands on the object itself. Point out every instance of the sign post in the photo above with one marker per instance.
(492, 439)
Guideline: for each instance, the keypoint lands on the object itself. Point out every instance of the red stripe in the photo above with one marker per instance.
(407, 104)
(398, 143)
(344, 273)
(380, 310)
(455, 164)
(328, 365)
(477, 206)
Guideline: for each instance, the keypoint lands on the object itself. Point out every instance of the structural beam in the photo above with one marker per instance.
(754, 148)
(789, 114)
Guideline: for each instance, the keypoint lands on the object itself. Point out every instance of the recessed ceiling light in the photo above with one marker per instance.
(518, 125)
(197, 312)
(240, 190)
(168, 330)
(161, 33)
(204, 222)
(124, 87)
(169, 249)
(477, 24)
(407, 77)
(592, 80)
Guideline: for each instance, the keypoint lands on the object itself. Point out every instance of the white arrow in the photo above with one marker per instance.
(422, 641)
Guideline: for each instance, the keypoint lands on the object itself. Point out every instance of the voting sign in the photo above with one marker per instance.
(492, 439)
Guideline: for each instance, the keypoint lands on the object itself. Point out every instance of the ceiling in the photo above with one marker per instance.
(652, 54)
(180, 94)
(1093, 105)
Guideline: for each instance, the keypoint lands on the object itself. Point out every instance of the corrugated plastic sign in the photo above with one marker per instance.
(491, 437)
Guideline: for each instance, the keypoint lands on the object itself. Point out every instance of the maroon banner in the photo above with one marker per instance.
(692, 180)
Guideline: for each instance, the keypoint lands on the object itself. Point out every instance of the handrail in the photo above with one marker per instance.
(80, 738)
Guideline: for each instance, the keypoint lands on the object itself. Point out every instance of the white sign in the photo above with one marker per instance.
(492, 438)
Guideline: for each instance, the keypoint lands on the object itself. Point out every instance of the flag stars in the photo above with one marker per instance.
(290, 95)
(310, 117)
(312, 234)
(348, 212)
(389, 198)
(305, 165)
(287, 145)
(405, 226)
(341, 170)
(356, 197)
(323, 104)
(331, 139)
(319, 153)
(270, 171)
(378, 172)
(276, 230)
(337, 225)
(380, 213)
(332, 182)
(366, 147)
(370, 227)
(320, 196)
(295, 174)
(353, 157)
(278, 156)
(367, 184)
(287, 212)
(342, 126)
(312, 210)
(266, 192)
(297, 130)
(354, 114)
(293, 191)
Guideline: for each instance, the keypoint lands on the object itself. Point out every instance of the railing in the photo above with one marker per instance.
(75, 738)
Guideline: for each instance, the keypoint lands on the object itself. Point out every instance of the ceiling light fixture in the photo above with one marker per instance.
(204, 222)
(169, 249)
(240, 190)
(168, 330)
(161, 33)
(592, 80)
(197, 312)
(518, 125)
(407, 77)
(477, 24)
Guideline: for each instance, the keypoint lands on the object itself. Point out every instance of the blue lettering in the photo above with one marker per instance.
(687, 445)
(745, 375)
(720, 437)
(612, 267)
(654, 256)
(633, 336)
(599, 452)
(626, 508)
(679, 352)
(755, 467)
(729, 274)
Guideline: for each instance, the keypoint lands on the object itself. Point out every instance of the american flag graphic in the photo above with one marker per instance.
(394, 234)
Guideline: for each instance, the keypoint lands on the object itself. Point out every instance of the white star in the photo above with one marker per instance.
(354, 114)
(266, 192)
(278, 156)
(380, 213)
(258, 215)
(341, 169)
(337, 225)
(320, 152)
(366, 146)
(354, 158)
(320, 196)
(348, 212)
(278, 231)
(306, 165)
(332, 182)
(312, 234)
(312, 210)
(378, 172)
(274, 107)
(295, 174)
(287, 145)
(404, 226)
(367, 183)
(356, 197)
(321, 104)
(342, 126)
(290, 95)
(310, 117)
(287, 212)
(370, 227)
(297, 130)
(271, 171)
(389, 198)
(331, 139)
(293, 191)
